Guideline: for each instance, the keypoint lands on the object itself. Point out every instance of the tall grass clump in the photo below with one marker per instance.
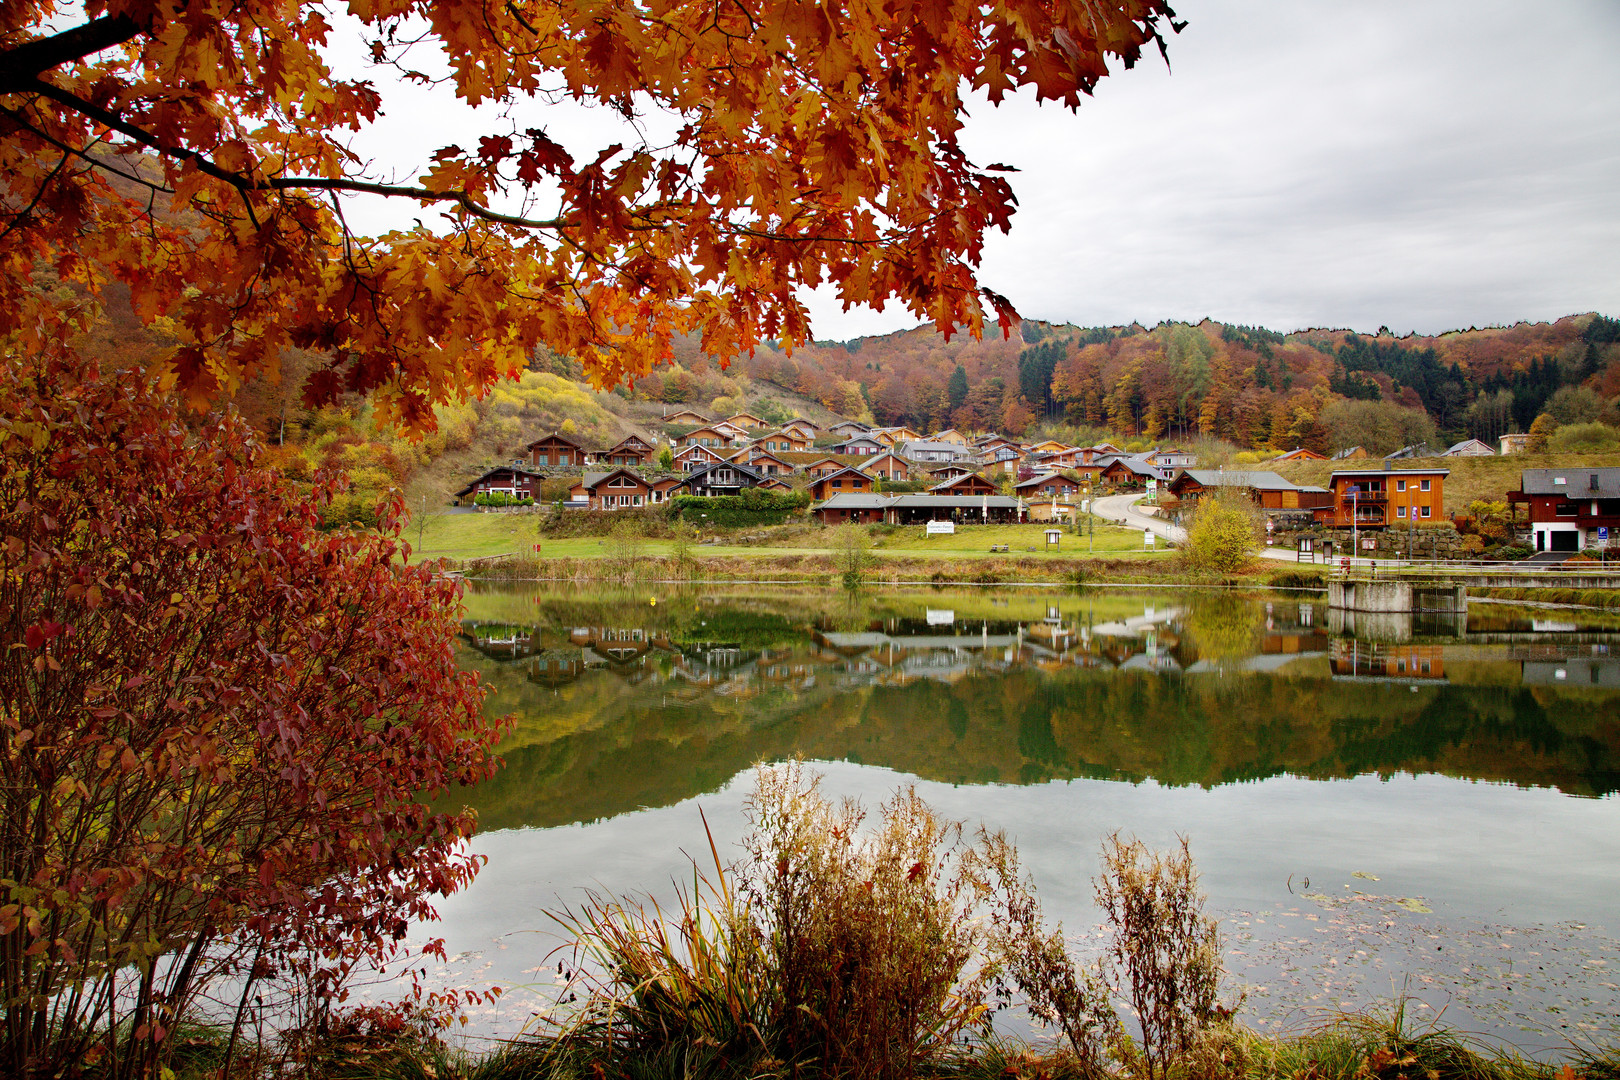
(845, 944)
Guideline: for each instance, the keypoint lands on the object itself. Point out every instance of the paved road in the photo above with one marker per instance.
(1121, 509)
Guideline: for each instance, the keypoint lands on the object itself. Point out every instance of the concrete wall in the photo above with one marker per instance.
(1390, 597)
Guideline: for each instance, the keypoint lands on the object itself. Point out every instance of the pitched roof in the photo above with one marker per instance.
(1469, 444)
(554, 437)
(1259, 479)
(1346, 453)
(1577, 482)
(1037, 481)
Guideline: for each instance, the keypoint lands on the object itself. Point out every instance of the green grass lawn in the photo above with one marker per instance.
(472, 536)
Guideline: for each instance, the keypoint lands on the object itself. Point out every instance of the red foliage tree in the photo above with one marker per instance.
(217, 723)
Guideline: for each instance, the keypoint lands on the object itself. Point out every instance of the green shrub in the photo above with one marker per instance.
(752, 507)
(500, 498)
(1222, 534)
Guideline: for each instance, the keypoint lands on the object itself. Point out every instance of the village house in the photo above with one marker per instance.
(1378, 498)
(726, 478)
(762, 462)
(714, 437)
(861, 445)
(803, 428)
(1517, 443)
(918, 509)
(1126, 471)
(887, 466)
(745, 420)
(850, 428)
(514, 483)
(1266, 488)
(1300, 453)
(1171, 460)
(950, 435)
(1470, 448)
(556, 450)
(782, 442)
(950, 472)
(844, 481)
(683, 416)
(1570, 508)
(824, 467)
(1048, 486)
(894, 436)
(695, 457)
(970, 484)
(927, 450)
(633, 451)
(1351, 453)
(616, 490)
(663, 489)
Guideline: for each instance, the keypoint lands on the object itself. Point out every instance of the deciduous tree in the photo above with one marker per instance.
(193, 149)
(217, 723)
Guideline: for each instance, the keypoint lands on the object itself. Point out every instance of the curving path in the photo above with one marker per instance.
(1121, 509)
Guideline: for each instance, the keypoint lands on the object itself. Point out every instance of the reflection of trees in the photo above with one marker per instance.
(1223, 626)
(625, 746)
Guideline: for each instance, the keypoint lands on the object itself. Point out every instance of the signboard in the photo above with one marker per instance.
(1053, 536)
(1368, 545)
(1147, 538)
(942, 528)
(940, 617)
(1152, 490)
(1603, 534)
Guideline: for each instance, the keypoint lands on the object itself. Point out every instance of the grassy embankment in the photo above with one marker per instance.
(809, 553)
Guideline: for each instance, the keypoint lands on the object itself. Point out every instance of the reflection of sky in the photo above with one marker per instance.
(1486, 858)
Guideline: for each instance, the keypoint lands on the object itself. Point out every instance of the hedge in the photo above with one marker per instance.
(752, 507)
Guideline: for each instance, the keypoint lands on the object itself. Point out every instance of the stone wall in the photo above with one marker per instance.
(1426, 542)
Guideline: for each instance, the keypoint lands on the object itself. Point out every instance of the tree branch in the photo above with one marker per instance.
(21, 65)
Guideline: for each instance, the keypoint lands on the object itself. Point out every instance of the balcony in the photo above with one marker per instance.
(1362, 495)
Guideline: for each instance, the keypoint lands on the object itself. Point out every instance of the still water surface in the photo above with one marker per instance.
(1428, 805)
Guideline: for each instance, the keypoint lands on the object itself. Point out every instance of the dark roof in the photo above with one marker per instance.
(1577, 482)
(855, 500)
(1259, 479)
(516, 472)
(1037, 481)
(1424, 471)
(701, 471)
(840, 472)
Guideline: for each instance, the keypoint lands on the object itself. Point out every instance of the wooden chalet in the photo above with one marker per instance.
(1048, 486)
(745, 420)
(1470, 448)
(1171, 459)
(1266, 488)
(970, 484)
(1300, 453)
(664, 488)
(630, 452)
(713, 436)
(696, 457)
(782, 442)
(512, 482)
(845, 481)
(1378, 498)
(951, 471)
(768, 464)
(1351, 453)
(887, 466)
(726, 478)
(684, 416)
(1570, 508)
(824, 467)
(556, 449)
(861, 446)
(1127, 470)
(803, 428)
(950, 435)
(618, 489)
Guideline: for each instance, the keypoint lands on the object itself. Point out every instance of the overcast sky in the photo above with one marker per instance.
(1425, 166)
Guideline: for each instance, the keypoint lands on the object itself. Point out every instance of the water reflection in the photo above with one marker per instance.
(623, 704)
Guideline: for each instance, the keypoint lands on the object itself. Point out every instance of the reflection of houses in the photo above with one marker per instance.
(1352, 658)
(500, 641)
(555, 668)
(1599, 671)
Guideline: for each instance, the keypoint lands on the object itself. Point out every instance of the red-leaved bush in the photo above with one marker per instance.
(219, 725)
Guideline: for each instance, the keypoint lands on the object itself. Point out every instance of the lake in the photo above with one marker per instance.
(1428, 805)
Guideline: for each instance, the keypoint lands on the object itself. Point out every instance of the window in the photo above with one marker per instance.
(1400, 485)
(542, 459)
(1566, 508)
(1400, 511)
(1426, 511)
(1423, 485)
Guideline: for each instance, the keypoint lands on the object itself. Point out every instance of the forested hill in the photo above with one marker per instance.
(1250, 385)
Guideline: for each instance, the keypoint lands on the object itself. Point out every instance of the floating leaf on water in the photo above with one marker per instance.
(1364, 874)
(1414, 905)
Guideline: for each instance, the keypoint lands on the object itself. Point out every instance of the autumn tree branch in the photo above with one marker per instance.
(21, 65)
